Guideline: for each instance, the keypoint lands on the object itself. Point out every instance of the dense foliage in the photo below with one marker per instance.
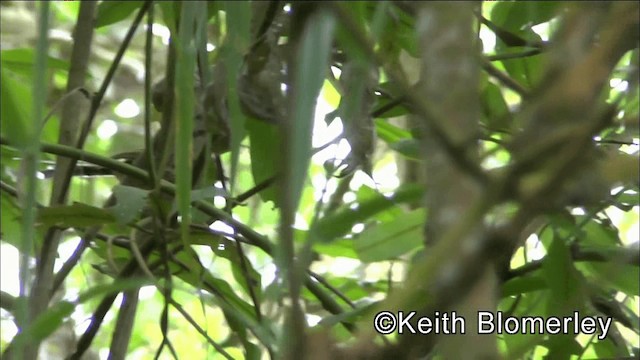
(260, 179)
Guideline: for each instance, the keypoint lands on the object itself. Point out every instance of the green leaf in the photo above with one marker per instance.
(523, 284)
(239, 314)
(526, 71)
(45, 324)
(130, 200)
(252, 351)
(313, 55)
(604, 238)
(395, 111)
(405, 34)
(517, 18)
(562, 346)
(518, 14)
(110, 12)
(338, 248)
(120, 285)
(10, 225)
(207, 193)
(15, 117)
(228, 250)
(330, 94)
(265, 155)
(387, 241)
(351, 315)
(23, 60)
(169, 16)
(607, 349)
(410, 148)
(563, 279)
(238, 21)
(531, 304)
(365, 194)
(494, 107)
(185, 104)
(599, 234)
(50, 320)
(621, 277)
(390, 133)
(65, 11)
(199, 277)
(340, 222)
(76, 215)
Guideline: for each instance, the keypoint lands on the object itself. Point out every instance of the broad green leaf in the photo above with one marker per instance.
(239, 314)
(380, 19)
(338, 248)
(23, 59)
(76, 215)
(345, 39)
(494, 107)
(607, 349)
(523, 284)
(340, 222)
(238, 19)
(130, 200)
(252, 351)
(365, 194)
(330, 94)
(621, 277)
(207, 193)
(110, 12)
(410, 148)
(45, 324)
(239, 322)
(599, 234)
(65, 11)
(387, 241)
(15, 114)
(50, 320)
(265, 155)
(563, 279)
(395, 111)
(404, 33)
(313, 56)
(390, 133)
(526, 71)
(228, 250)
(517, 18)
(240, 318)
(199, 277)
(603, 238)
(170, 12)
(517, 14)
(116, 286)
(531, 304)
(562, 346)
(10, 225)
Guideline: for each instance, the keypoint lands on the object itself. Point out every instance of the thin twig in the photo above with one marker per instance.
(505, 79)
(514, 55)
(332, 288)
(195, 325)
(71, 263)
